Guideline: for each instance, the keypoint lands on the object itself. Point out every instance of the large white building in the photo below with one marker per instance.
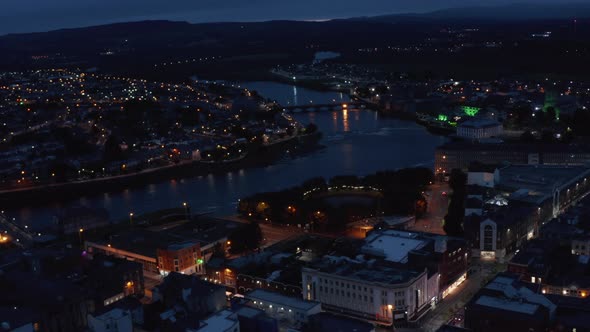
(372, 290)
(479, 128)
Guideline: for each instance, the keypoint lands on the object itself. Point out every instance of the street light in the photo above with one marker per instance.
(390, 308)
(131, 218)
(80, 231)
(186, 210)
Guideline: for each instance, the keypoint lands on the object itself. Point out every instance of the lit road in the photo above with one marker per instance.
(455, 302)
(271, 233)
(438, 202)
(276, 233)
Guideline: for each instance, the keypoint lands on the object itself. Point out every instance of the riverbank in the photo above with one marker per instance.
(355, 142)
(266, 155)
(324, 86)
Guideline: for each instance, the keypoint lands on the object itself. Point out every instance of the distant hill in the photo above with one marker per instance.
(166, 50)
(513, 12)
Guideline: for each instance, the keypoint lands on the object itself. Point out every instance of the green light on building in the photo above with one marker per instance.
(470, 110)
(199, 261)
(442, 117)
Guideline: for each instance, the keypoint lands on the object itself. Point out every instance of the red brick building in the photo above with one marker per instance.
(181, 257)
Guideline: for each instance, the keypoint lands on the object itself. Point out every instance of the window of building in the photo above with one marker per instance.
(488, 235)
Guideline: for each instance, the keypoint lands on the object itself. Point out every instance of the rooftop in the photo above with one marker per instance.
(145, 242)
(325, 321)
(393, 245)
(373, 271)
(282, 300)
(480, 123)
(181, 281)
(508, 305)
(113, 314)
(505, 292)
(539, 177)
(523, 147)
(218, 322)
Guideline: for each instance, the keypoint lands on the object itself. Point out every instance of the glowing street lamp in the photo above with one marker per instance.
(186, 210)
(80, 231)
(131, 218)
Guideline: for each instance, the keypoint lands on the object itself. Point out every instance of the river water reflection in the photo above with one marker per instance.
(354, 142)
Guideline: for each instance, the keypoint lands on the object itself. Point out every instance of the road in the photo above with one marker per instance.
(453, 305)
(438, 202)
(271, 233)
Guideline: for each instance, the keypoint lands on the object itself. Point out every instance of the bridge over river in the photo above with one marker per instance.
(326, 107)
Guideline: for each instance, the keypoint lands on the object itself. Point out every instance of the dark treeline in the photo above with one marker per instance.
(334, 202)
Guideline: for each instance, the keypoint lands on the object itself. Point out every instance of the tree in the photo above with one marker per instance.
(547, 136)
(523, 113)
(581, 122)
(453, 225)
(247, 238)
(311, 128)
(112, 149)
(551, 114)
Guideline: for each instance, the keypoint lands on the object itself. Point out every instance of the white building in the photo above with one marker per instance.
(221, 321)
(374, 290)
(483, 178)
(480, 128)
(283, 308)
(115, 320)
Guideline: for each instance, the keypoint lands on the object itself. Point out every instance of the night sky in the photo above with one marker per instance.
(43, 15)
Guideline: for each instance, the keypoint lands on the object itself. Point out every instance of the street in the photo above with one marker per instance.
(271, 233)
(453, 305)
(438, 202)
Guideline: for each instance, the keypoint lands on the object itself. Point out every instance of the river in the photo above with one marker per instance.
(354, 142)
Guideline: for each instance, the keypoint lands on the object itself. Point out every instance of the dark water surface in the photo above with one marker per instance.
(355, 142)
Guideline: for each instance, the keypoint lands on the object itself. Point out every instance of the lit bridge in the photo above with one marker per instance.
(325, 107)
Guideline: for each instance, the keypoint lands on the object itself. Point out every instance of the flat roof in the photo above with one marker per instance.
(534, 183)
(539, 177)
(203, 231)
(377, 272)
(249, 312)
(480, 123)
(115, 313)
(393, 245)
(508, 305)
(282, 300)
(219, 321)
(522, 147)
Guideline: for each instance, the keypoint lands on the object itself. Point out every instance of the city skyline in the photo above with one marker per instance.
(387, 165)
